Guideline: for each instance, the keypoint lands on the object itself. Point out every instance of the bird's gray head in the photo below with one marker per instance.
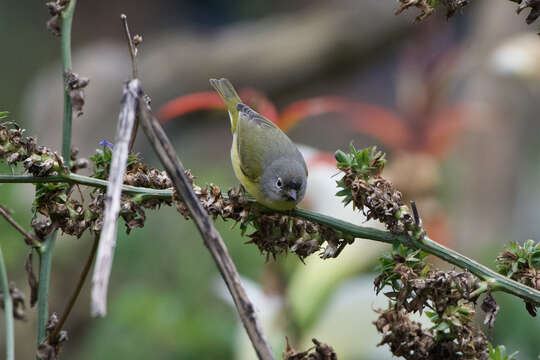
(284, 180)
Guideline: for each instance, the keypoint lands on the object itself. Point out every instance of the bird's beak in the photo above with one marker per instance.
(291, 194)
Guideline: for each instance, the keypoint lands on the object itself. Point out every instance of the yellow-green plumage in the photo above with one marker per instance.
(262, 155)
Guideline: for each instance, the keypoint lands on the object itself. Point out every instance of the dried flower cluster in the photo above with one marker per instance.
(416, 286)
(447, 298)
(534, 5)
(54, 24)
(57, 203)
(75, 84)
(362, 185)
(273, 233)
(46, 351)
(320, 351)
(424, 5)
(409, 340)
(521, 262)
(17, 299)
(427, 7)
(15, 148)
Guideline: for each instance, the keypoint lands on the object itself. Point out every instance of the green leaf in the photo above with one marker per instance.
(341, 157)
(343, 192)
(431, 314)
(443, 327)
(499, 353)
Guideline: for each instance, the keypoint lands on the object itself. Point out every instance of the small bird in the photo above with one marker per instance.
(264, 159)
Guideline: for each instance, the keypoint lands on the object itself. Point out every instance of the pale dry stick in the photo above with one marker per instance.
(107, 241)
(211, 237)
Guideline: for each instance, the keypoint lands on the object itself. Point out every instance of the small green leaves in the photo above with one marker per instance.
(44, 190)
(413, 259)
(4, 114)
(102, 160)
(357, 164)
(499, 353)
(365, 162)
(517, 258)
(521, 263)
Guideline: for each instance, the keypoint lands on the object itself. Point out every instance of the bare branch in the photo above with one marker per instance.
(131, 45)
(212, 239)
(29, 238)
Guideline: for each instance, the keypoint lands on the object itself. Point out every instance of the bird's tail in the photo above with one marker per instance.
(230, 98)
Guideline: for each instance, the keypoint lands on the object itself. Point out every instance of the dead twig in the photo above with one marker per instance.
(29, 238)
(132, 45)
(52, 339)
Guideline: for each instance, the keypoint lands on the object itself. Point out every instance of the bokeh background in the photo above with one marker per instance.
(454, 103)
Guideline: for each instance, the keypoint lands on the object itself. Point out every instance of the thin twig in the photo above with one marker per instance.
(30, 238)
(107, 242)
(210, 235)
(133, 55)
(132, 49)
(8, 310)
(86, 269)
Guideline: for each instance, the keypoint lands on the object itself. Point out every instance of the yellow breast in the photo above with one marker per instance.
(251, 186)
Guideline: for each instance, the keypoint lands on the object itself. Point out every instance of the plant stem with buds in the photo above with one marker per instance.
(497, 281)
(67, 18)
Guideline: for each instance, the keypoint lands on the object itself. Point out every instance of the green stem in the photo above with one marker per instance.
(70, 178)
(8, 310)
(496, 280)
(45, 260)
(67, 18)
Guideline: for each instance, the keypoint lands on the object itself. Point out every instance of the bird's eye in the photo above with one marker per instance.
(279, 183)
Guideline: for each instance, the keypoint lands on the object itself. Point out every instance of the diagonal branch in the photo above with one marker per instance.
(210, 235)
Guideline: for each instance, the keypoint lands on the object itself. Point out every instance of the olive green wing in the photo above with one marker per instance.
(259, 142)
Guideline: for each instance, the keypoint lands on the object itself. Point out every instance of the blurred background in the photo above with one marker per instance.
(453, 103)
